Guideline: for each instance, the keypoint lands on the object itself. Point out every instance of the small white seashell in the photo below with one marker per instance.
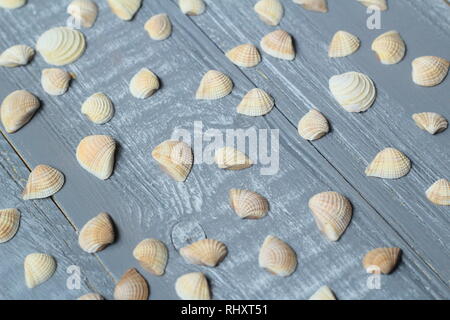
(56, 81)
(84, 12)
(98, 108)
(39, 267)
(175, 158)
(193, 286)
(343, 44)
(152, 254)
(12, 4)
(381, 4)
(205, 252)
(313, 5)
(15, 56)
(192, 7)
(9, 224)
(159, 27)
(313, 125)
(96, 234)
(214, 85)
(429, 71)
(44, 181)
(255, 103)
(269, 11)
(248, 204)
(232, 159)
(389, 164)
(430, 121)
(132, 286)
(381, 260)
(324, 293)
(125, 9)
(96, 155)
(278, 44)
(244, 55)
(91, 296)
(439, 192)
(17, 109)
(389, 47)
(277, 257)
(144, 84)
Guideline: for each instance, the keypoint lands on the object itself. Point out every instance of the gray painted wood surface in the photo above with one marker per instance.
(145, 203)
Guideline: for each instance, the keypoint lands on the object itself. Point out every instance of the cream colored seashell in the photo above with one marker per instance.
(389, 164)
(343, 44)
(277, 257)
(96, 155)
(175, 158)
(439, 192)
(152, 255)
(389, 47)
(17, 109)
(430, 121)
(55, 81)
(9, 224)
(214, 85)
(44, 181)
(39, 267)
(98, 108)
(248, 204)
(255, 103)
(91, 296)
(206, 252)
(192, 7)
(96, 234)
(232, 159)
(354, 91)
(381, 260)
(132, 286)
(313, 125)
(144, 84)
(324, 293)
(60, 46)
(332, 213)
(12, 4)
(381, 4)
(269, 11)
(429, 71)
(15, 56)
(193, 286)
(313, 5)
(84, 12)
(125, 9)
(159, 27)
(278, 44)
(244, 55)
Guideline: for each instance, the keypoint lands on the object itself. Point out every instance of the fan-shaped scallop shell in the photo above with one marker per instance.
(206, 252)
(144, 84)
(244, 55)
(269, 11)
(84, 12)
(60, 46)
(381, 4)
(192, 7)
(91, 296)
(277, 257)
(381, 260)
(175, 158)
(255, 103)
(152, 255)
(132, 286)
(278, 44)
(9, 224)
(343, 44)
(439, 192)
(389, 164)
(39, 267)
(354, 91)
(389, 47)
(429, 71)
(332, 213)
(248, 204)
(314, 5)
(430, 121)
(323, 293)
(44, 181)
(18, 55)
(313, 125)
(96, 155)
(96, 234)
(12, 4)
(232, 159)
(98, 108)
(214, 85)
(193, 286)
(55, 81)
(159, 27)
(17, 109)
(125, 9)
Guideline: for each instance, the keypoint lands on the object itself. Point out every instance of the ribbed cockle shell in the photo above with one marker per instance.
(278, 44)
(277, 257)
(55, 81)
(324, 293)
(17, 109)
(96, 155)
(255, 103)
(313, 125)
(98, 108)
(206, 252)
(38, 267)
(389, 164)
(192, 7)
(343, 44)
(193, 286)
(269, 11)
(175, 158)
(144, 84)
(430, 121)
(429, 71)
(152, 254)
(389, 47)
(44, 181)
(248, 204)
(159, 27)
(15, 56)
(9, 224)
(439, 192)
(244, 55)
(214, 85)
(313, 5)
(132, 286)
(232, 159)
(84, 12)
(125, 9)
(381, 260)
(96, 234)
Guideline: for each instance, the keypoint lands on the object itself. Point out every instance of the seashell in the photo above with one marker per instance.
(389, 164)
(232, 159)
(9, 224)
(17, 109)
(98, 108)
(132, 286)
(18, 55)
(269, 11)
(256, 102)
(389, 47)
(381, 4)
(60, 46)
(152, 255)
(12, 4)
(277, 257)
(192, 7)
(429, 71)
(125, 9)
(84, 12)
(332, 213)
(39, 267)
(159, 27)
(381, 260)
(354, 91)
(214, 85)
(175, 158)
(55, 81)
(91, 296)
(206, 252)
(248, 204)
(430, 121)
(343, 44)
(96, 155)
(244, 55)
(439, 192)
(96, 234)
(44, 181)
(193, 286)
(324, 293)
(313, 125)
(313, 5)
(144, 84)
(278, 44)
